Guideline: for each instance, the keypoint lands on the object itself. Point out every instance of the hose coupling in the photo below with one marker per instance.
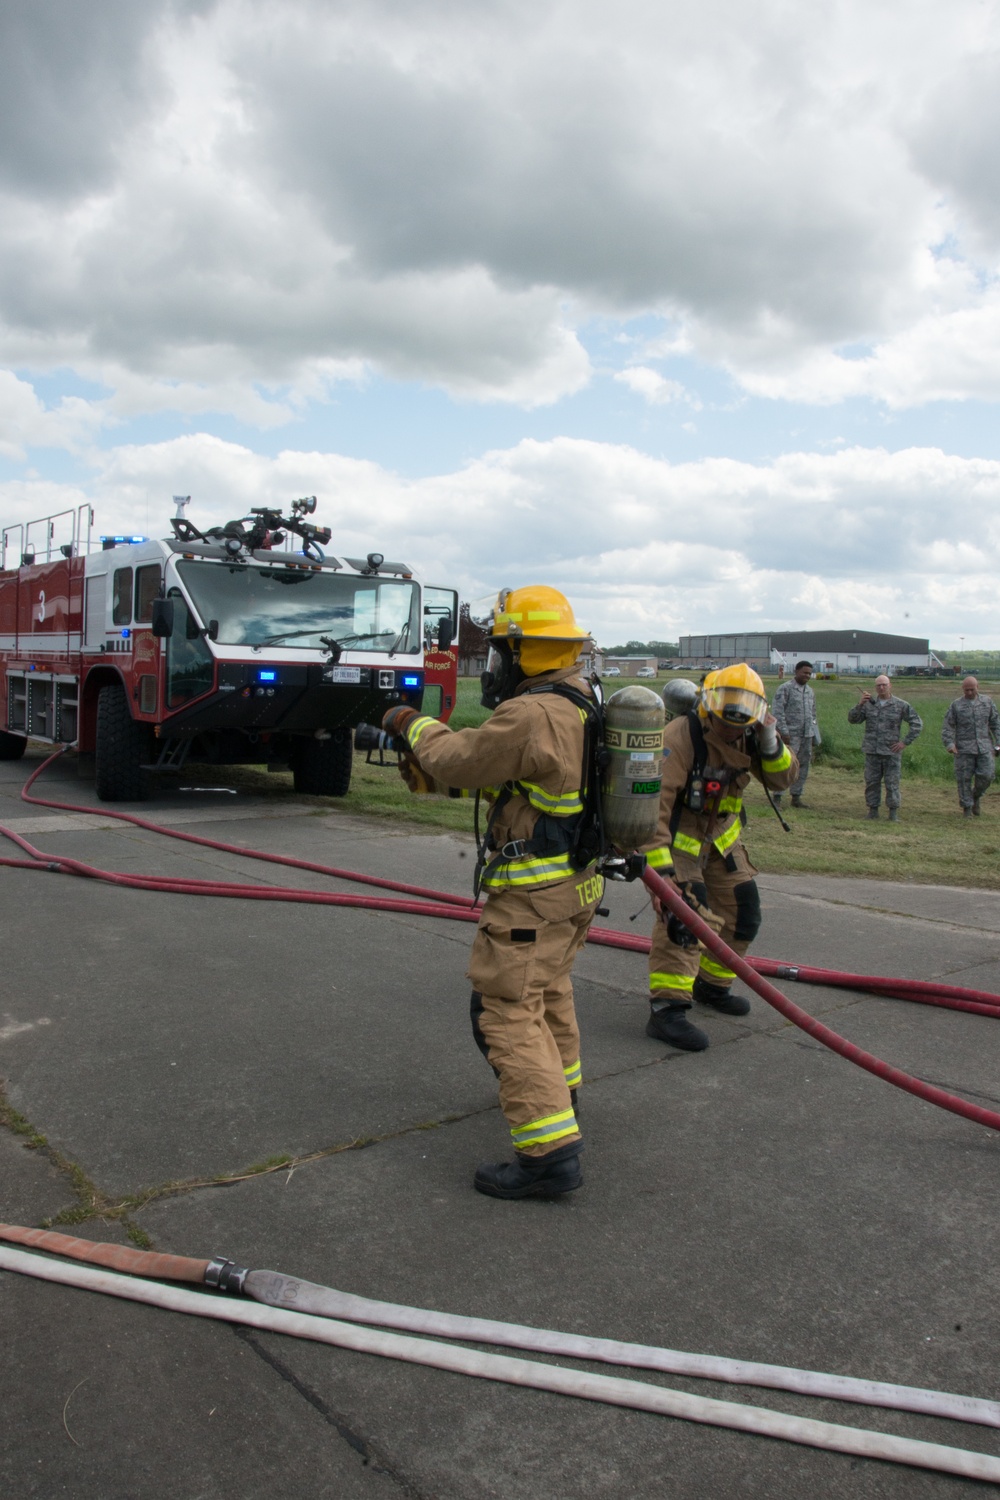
(787, 971)
(226, 1275)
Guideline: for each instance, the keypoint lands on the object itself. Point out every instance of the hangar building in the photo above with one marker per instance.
(840, 651)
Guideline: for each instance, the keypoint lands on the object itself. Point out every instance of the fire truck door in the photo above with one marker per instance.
(95, 611)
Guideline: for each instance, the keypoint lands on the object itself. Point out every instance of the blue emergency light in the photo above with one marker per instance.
(267, 676)
(410, 680)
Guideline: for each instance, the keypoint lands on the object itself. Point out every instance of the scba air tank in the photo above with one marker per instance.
(630, 786)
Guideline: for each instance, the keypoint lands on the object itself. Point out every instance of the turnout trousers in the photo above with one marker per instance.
(877, 769)
(974, 772)
(523, 1017)
(732, 894)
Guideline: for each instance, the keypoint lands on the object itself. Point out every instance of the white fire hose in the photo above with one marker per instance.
(578, 1383)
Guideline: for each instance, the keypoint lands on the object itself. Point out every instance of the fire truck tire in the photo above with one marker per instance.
(11, 745)
(322, 768)
(122, 749)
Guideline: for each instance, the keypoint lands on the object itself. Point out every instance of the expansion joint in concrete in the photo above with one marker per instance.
(369, 1456)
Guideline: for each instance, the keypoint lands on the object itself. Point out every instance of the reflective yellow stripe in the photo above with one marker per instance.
(527, 871)
(782, 763)
(728, 837)
(543, 1132)
(718, 971)
(559, 804)
(533, 617)
(687, 845)
(573, 1074)
(660, 859)
(681, 982)
(416, 729)
(730, 804)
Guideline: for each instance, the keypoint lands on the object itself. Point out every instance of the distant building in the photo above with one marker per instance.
(626, 665)
(841, 651)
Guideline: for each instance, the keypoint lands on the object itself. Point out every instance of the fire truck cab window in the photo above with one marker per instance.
(277, 606)
(121, 597)
(189, 661)
(147, 586)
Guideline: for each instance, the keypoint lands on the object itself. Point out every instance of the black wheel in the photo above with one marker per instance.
(322, 768)
(11, 745)
(123, 748)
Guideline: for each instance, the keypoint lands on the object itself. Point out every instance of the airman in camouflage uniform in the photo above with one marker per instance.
(794, 707)
(883, 743)
(970, 732)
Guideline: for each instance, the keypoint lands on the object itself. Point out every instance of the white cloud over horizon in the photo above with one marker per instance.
(906, 542)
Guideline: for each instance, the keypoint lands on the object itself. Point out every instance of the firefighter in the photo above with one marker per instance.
(528, 759)
(709, 756)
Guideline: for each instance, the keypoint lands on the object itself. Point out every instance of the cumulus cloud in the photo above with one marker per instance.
(646, 549)
(650, 384)
(212, 194)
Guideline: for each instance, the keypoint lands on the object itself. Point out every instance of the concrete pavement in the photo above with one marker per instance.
(764, 1200)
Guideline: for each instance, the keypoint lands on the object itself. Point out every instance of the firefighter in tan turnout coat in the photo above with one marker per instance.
(710, 755)
(528, 759)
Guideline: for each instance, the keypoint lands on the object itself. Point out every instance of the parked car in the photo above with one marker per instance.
(612, 672)
(646, 672)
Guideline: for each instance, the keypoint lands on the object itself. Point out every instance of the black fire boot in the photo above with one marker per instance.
(532, 1176)
(721, 1000)
(670, 1024)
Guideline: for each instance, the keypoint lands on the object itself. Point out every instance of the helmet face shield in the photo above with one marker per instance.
(734, 705)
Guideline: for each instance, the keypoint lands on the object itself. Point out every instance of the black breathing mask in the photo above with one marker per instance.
(502, 676)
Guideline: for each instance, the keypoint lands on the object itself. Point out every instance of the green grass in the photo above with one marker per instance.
(932, 843)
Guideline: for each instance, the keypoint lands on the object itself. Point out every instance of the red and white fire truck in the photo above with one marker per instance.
(239, 644)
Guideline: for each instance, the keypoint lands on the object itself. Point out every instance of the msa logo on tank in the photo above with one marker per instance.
(639, 749)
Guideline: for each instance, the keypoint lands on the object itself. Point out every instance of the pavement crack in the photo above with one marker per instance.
(370, 1456)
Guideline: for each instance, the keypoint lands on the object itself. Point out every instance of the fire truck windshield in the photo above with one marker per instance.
(258, 606)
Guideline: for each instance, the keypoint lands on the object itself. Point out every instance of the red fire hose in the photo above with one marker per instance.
(672, 899)
(431, 903)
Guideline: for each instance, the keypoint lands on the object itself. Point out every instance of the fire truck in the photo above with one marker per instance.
(241, 644)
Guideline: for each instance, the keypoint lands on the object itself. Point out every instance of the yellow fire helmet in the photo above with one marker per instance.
(536, 611)
(735, 695)
(538, 622)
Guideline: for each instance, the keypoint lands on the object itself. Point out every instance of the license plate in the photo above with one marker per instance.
(343, 674)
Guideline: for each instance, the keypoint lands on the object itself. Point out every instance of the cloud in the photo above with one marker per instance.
(650, 384)
(645, 548)
(237, 194)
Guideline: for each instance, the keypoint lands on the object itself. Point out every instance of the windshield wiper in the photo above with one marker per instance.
(343, 640)
(285, 635)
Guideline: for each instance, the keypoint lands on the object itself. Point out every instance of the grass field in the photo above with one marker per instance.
(931, 844)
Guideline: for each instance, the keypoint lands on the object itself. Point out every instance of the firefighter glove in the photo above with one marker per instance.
(396, 720)
(413, 774)
(767, 740)
(696, 896)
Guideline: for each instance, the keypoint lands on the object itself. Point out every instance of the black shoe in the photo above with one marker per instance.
(966, 812)
(873, 812)
(894, 815)
(672, 1025)
(724, 1002)
(976, 809)
(798, 802)
(532, 1176)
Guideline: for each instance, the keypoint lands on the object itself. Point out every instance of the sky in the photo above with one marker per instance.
(692, 312)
